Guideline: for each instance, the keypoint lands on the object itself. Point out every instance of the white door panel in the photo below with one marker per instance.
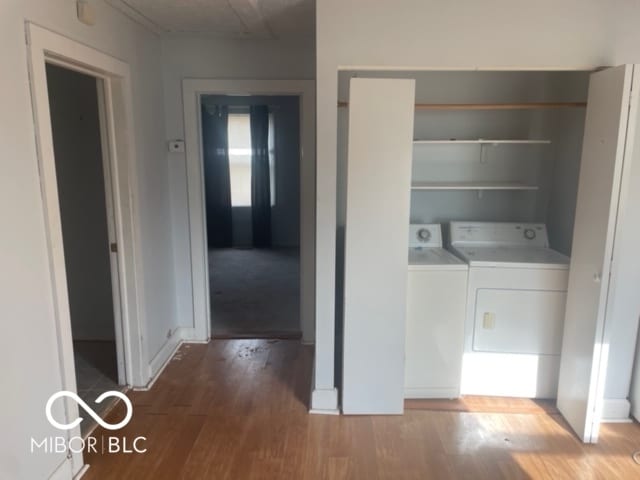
(380, 151)
(584, 347)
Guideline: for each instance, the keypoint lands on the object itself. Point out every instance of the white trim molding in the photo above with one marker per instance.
(44, 47)
(181, 336)
(123, 7)
(324, 401)
(164, 356)
(81, 473)
(64, 471)
(192, 91)
(616, 410)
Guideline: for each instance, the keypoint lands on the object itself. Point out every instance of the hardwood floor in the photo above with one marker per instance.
(478, 404)
(237, 409)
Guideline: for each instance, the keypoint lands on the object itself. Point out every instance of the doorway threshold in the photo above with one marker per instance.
(279, 335)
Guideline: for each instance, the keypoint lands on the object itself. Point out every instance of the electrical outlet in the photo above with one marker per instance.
(489, 321)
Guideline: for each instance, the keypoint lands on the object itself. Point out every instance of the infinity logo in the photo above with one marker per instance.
(89, 410)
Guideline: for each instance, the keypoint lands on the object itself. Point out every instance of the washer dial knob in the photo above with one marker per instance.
(529, 233)
(424, 235)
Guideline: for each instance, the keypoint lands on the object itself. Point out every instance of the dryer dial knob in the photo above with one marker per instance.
(529, 233)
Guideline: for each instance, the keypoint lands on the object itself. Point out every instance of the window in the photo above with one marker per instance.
(240, 159)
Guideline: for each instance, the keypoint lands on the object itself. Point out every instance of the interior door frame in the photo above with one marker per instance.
(114, 95)
(192, 90)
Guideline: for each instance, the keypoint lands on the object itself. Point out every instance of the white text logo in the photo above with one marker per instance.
(89, 410)
(90, 444)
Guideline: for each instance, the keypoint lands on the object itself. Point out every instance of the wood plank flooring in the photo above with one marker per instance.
(237, 409)
(479, 404)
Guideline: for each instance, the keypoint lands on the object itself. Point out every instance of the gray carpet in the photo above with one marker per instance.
(254, 292)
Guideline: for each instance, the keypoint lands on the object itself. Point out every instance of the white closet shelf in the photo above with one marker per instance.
(482, 141)
(472, 186)
(490, 106)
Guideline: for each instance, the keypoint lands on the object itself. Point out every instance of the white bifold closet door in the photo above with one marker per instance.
(606, 158)
(380, 145)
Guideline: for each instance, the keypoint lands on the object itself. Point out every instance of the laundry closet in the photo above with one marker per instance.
(541, 159)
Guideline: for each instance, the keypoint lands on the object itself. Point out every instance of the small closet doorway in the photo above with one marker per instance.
(109, 81)
(525, 152)
(88, 233)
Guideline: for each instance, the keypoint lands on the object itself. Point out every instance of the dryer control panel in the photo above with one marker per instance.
(499, 234)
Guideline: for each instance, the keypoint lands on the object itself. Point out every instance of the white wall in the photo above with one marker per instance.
(574, 34)
(75, 119)
(29, 353)
(566, 130)
(201, 57)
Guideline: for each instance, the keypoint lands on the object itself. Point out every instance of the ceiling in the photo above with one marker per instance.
(257, 19)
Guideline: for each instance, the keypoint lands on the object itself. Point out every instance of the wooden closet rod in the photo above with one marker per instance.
(490, 106)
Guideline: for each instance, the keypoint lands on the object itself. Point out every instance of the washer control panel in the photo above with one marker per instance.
(425, 235)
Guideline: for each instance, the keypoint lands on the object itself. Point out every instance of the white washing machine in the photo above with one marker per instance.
(515, 308)
(436, 295)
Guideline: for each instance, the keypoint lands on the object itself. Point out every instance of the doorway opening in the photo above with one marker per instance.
(112, 80)
(88, 233)
(251, 152)
(556, 173)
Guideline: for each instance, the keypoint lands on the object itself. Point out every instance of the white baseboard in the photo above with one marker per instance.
(167, 352)
(81, 473)
(161, 360)
(63, 472)
(190, 335)
(421, 393)
(324, 401)
(616, 410)
(316, 411)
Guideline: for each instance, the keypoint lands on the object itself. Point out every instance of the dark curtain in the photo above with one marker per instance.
(260, 181)
(216, 174)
